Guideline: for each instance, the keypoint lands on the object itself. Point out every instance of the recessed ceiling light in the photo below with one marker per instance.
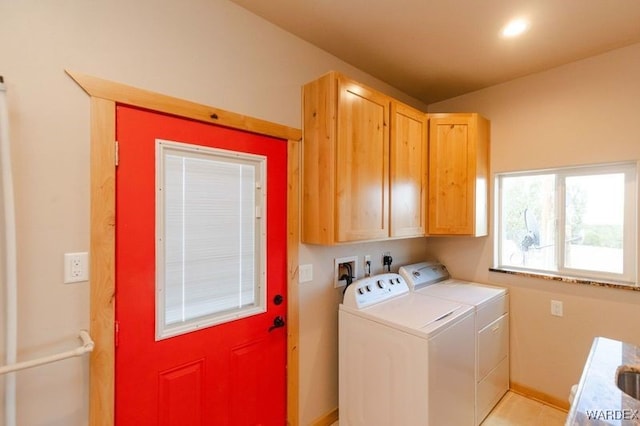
(515, 28)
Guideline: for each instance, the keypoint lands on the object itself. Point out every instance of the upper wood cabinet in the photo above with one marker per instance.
(362, 163)
(458, 174)
(408, 171)
(359, 164)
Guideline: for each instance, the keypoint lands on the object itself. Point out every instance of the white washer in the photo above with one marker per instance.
(404, 358)
(491, 326)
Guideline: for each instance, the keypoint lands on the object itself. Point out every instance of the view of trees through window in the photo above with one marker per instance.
(568, 220)
(528, 219)
(595, 222)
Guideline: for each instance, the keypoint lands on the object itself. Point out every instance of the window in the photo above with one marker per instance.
(210, 263)
(578, 221)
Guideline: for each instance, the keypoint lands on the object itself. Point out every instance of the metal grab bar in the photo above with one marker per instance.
(87, 346)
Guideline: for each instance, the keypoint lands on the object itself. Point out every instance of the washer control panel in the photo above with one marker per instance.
(371, 290)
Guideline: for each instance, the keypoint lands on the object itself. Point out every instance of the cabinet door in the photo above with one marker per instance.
(319, 100)
(362, 163)
(408, 171)
(452, 174)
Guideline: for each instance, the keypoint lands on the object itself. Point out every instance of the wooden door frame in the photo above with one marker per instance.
(105, 95)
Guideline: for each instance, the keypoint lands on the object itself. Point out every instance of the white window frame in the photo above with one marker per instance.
(630, 236)
(164, 330)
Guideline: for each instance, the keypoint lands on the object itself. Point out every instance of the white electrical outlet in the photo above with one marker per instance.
(76, 267)
(367, 265)
(556, 308)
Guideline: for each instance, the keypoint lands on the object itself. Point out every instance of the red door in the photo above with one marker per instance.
(227, 374)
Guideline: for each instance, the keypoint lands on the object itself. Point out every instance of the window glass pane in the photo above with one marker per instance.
(210, 242)
(528, 221)
(574, 221)
(594, 222)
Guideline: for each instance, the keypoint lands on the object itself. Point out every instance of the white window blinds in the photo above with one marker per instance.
(211, 239)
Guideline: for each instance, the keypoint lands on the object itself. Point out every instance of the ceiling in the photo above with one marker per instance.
(435, 50)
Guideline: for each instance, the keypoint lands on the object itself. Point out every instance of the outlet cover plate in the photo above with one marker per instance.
(556, 308)
(305, 273)
(76, 267)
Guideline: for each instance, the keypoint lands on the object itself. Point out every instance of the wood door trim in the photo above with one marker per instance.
(105, 95)
(128, 95)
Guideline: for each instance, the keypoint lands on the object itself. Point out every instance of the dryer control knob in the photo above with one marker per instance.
(381, 284)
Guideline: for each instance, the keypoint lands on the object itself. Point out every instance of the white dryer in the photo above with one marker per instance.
(404, 358)
(491, 326)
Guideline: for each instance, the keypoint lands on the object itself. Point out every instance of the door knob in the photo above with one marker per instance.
(277, 323)
(278, 299)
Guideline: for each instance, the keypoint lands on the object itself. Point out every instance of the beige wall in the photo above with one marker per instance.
(585, 112)
(213, 52)
(208, 51)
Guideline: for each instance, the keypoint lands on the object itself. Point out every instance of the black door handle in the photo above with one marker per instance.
(277, 323)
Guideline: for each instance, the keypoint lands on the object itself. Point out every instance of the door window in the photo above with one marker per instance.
(211, 239)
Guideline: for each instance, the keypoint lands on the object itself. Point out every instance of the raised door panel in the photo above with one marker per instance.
(451, 175)
(362, 163)
(408, 171)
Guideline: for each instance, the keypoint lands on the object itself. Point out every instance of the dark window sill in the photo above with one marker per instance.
(572, 280)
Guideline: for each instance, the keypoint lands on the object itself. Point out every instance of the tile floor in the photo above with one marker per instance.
(517, 410)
